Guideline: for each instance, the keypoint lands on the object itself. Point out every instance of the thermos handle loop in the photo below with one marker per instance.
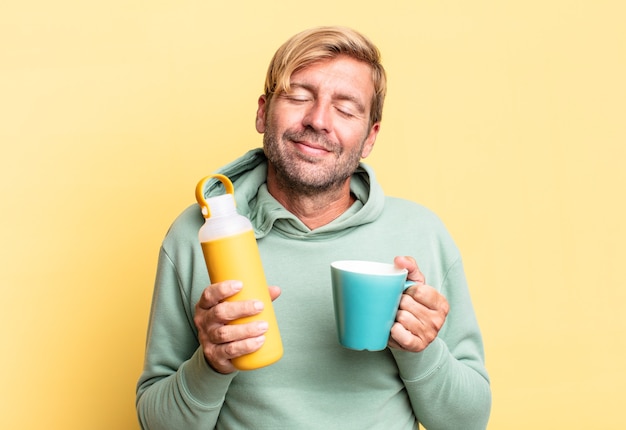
(228, 185)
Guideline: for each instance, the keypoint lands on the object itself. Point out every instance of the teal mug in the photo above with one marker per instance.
(366, 296)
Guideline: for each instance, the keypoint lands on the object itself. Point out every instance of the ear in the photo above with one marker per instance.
(260, 114)
(368, 145)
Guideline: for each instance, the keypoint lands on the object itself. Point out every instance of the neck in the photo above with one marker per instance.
(314, 210)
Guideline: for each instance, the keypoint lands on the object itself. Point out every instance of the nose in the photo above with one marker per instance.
(318, 117)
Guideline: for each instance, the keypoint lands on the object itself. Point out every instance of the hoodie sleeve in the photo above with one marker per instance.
(177, 389)
(447, 383)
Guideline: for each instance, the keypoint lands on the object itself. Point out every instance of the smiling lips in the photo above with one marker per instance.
(311, 149)
(310, 143)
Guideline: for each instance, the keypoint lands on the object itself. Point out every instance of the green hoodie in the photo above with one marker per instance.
(317, 384)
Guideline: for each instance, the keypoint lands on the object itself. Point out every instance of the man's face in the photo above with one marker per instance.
(315, 134)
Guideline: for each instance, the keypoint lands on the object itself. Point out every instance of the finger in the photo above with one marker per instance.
(409, 263)
(236, 332)
(219, 356)
(420, 320)
(215, 293)
(226, 312)
(274, 292)
(426, 296)
(246, 346)
(402, 338)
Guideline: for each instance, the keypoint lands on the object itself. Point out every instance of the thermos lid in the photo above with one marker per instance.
(221, 205)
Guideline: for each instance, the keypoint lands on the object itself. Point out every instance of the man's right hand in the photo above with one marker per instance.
(220, 340)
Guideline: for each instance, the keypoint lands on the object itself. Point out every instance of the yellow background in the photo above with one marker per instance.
(506, 118)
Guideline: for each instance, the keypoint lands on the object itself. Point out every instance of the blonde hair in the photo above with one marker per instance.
(321, 43)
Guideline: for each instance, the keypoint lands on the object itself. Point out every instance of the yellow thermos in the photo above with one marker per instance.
(231, 253)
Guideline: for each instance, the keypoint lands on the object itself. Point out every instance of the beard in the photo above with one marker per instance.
(308, 174)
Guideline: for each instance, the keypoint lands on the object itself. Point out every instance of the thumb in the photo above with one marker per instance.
(274, 292)
(409, 263)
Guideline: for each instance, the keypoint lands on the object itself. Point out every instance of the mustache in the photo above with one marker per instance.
(311, 136)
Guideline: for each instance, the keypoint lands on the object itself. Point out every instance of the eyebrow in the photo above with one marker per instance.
(337, 96)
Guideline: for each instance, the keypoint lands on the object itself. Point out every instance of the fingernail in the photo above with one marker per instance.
(260, 339)
(236, 285)
(262, 326)
(258, 306)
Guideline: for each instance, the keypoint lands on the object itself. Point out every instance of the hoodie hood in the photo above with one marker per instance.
(249, 174)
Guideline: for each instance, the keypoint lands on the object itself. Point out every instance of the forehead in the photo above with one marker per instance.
(341, 75)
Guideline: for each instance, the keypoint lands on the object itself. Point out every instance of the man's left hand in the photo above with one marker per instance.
(421, 314)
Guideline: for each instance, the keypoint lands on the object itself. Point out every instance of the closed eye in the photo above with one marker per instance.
(297, 94)
(345, 111)
(296, 98)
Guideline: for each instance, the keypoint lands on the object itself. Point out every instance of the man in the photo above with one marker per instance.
(312, 202)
